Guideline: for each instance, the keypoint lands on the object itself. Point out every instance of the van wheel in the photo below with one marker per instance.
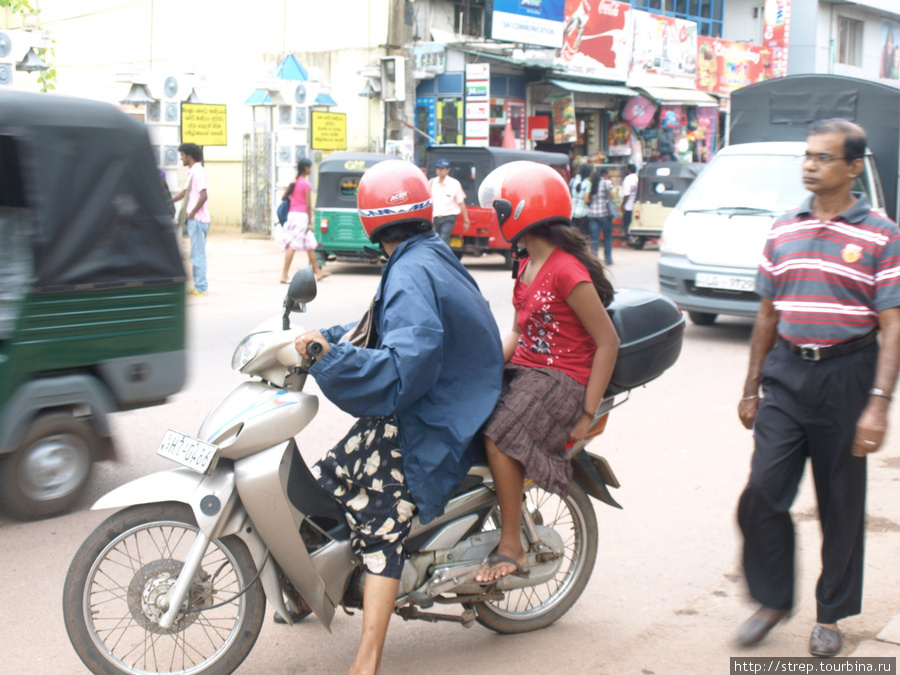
(703, 318)
(49, 469)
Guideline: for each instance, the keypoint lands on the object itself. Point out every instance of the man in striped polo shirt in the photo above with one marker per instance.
(829, 282)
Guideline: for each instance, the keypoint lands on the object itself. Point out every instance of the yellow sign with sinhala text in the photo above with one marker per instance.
(328, 130)
(204, 124)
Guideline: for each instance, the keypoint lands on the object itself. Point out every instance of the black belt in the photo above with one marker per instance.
(821, 353)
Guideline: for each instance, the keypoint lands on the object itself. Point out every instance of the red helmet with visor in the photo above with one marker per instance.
(392, 192)
(525, 194)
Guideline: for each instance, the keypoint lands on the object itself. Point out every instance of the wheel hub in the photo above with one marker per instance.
(54, 467)
(149, 588)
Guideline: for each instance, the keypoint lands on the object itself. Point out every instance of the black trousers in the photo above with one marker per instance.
(810, 409)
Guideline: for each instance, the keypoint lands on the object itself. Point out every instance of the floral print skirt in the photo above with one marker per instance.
(364, 472)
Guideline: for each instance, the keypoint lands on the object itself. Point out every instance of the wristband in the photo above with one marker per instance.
(750, 398)
(875, 391)
(588, 413)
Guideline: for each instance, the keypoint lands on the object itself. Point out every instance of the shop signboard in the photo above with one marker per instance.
(204, 124)
(478, 77)
(889, 55)
(664, 51)
(723, 65)
(539, 128)
(776, 33)
(564, 130)
(328, 130)
(597, 40)
(532, 22)
(430, 57)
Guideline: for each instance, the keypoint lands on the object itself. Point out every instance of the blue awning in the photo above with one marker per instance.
(290, 69)
(324, 99)
(260, 97)
(591, 88)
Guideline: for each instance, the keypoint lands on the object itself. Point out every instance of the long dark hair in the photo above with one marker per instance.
(599, 175)
(571, 240)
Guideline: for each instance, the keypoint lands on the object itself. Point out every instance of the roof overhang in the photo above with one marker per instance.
(673, 96)
(593, 88)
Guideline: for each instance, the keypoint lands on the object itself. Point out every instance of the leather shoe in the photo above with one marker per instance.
(758, 626)
(825, 641)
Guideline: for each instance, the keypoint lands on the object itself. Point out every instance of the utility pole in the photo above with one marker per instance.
(400, 105)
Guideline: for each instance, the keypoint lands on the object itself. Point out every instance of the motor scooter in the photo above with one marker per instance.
(178, 579)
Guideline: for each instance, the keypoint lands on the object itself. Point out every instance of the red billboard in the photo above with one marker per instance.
(723, 65)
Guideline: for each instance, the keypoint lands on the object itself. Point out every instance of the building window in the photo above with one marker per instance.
(470, 17)
(850, 38)
(706, 13)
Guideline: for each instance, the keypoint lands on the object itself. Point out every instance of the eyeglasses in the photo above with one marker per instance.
(819, 158)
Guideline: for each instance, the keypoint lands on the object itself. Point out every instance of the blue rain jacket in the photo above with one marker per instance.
(438, 367)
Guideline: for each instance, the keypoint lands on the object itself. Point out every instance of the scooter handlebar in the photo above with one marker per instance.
(314, 349)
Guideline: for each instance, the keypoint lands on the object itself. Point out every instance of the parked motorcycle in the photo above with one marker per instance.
(178, 580)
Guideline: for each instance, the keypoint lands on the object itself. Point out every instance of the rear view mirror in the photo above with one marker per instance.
(303, 286)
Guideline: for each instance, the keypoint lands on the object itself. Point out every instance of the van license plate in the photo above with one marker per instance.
(190, 452)
(726, 282)
(456, 242)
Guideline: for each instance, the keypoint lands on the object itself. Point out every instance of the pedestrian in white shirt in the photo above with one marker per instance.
(449, 201)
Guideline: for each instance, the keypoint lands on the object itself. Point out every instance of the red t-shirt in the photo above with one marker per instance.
(552, 335)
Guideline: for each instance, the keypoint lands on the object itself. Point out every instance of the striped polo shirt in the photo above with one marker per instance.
(828, 280)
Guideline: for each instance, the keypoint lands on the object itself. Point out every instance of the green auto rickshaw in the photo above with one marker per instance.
(338, 230)
(92, 292)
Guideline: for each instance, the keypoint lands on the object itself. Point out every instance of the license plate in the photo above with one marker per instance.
(456, 242)
(725, 282)
(187, 451)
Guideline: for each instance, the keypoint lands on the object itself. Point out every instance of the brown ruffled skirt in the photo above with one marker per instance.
(537, 409)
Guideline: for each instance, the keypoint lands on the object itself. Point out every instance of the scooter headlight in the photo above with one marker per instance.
(247, 350)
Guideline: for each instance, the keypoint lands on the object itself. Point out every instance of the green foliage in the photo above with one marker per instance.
(47, 78)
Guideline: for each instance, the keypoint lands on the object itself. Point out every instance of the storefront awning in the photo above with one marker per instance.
(671, 95)
(591, 88)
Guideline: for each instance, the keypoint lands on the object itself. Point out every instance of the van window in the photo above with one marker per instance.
(16, 262)
(772, 182)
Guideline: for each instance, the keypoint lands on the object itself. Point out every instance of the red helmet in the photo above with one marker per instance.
(392, 192)
(525, 194)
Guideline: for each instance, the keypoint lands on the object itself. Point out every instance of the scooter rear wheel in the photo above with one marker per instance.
(536, 607)
(127, 565)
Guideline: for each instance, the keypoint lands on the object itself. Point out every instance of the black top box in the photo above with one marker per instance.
(651, 328)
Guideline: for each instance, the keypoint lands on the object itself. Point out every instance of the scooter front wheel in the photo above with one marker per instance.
(116, 585)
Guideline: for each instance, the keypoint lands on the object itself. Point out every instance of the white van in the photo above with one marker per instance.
(712, 242)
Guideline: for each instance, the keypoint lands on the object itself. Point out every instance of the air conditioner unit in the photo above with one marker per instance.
(300, 94)
(171, 112)
(6, 73)
(284, 155)
(170, 88)
(393, 78)
(153, 112)
(7, 58)
(170, 155)
(299, 153)
(285, 115)
(300, 116)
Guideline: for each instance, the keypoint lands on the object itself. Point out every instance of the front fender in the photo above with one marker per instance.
(213, 498)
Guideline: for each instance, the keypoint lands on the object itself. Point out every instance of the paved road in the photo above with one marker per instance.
(666, 594)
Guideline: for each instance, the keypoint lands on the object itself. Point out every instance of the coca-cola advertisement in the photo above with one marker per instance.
(723, 65)
(596, 39)
(665, 51)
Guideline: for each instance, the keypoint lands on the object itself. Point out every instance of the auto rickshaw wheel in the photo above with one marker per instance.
(636, 243)
(49, 469)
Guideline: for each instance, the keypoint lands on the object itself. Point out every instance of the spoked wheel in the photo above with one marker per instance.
(113, 598)
(536, 607)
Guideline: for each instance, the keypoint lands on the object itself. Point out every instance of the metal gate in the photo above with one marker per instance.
(258, 181)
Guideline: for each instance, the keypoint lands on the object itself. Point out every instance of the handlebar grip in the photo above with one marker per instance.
(314, 349)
